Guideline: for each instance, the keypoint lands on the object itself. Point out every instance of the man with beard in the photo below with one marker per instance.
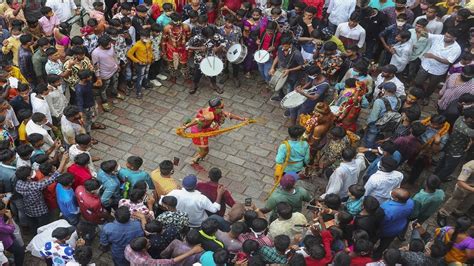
(435, 62)
(175, 36)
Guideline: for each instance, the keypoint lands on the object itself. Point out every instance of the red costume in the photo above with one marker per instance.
(175, 36)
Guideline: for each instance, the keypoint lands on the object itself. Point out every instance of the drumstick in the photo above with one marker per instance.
(214, 62)
(208, 61)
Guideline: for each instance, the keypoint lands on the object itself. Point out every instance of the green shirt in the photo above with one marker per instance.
(39, 61)
(295, 199)
(426, 204)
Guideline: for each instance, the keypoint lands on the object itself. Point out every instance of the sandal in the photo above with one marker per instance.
(218, 89)
(97, 125)
(94, 142)
(193, 90)
(106, 107)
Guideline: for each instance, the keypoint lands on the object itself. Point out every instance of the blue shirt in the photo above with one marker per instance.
(163, 20)
(396, 216)
(84, 96)
(379, 6)
(66, 201)
(111, 186)
(299, 155)
(35, 154)
(379, 109)
(134, 177)
(119, 236)
(7, 175)
(354, 206)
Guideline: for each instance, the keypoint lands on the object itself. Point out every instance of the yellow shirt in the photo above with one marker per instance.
(338, 42)
(445, 5)
(141, 53)
(22, 132)
(16, 73)
(163, 185)
(161, 2)
(12, 46)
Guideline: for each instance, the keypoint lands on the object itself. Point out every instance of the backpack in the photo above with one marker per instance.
(389, 121)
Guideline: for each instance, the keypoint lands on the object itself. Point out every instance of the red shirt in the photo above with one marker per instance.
(233, 5)
(209, 189)
(49, 193)
(81, 174)
(267, 39)
(327, 241)
(318, 4)
(90, 206)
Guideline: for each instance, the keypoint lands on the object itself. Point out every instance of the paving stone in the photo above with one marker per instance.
(258, 151)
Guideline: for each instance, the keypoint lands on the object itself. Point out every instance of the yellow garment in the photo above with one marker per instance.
(3, 8)
(443, 131)
(16, 73)
(163, 185)
(161, 2)
(180, 132)
(12, 46)
(445, 5)
(141, 53)
(22, 132)
(340, 45)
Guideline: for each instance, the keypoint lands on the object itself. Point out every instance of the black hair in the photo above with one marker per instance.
(83, 254)
(311, 240)
(371, 204)
(422, 21)
(220, 256)
(65, 179)
(154, 226)
(53, 78)
(138, 244)
(238, 228)
(92, 22)
(464, 13)
(357, 190)
(438, 119)
(249, 216)
(24, 150)
(284, 210)
(338, 132)
(402, 16)
(417, 245)
(344, 218)
(23, 87)
(215, 174)
(6, 155)
(276, 11)
(24, 114)
(207, 32)
(466, 98)
(405, 35)
(348, 154)
(209, 226)
(360, 234)
(141, 8)
(433, 182)
(355, 16)
(193, 14)
(108, 166)
(135, 161)
(301, 5)
(83, 139)
(45, 10)
(43, 41)
(23, 172)
(316, 252)
(91, 185)
(122, 214)
(166, 167)
(84, 74)
(330, 46)
(389, 146)
(170, 201)
(363, 247)
(175, 17)
(332, 201)
(104, 40)
(126, 6)
(71, 111)
(78, 50)
(342, 259)
(34, 138)
(468, 113)
(311, 9)
(259, 224)
(41, 88)
(250, 246)
(417, 129)
(282, 242)
(296, 132)
(412, 113)
(167, 7)
(26, 38)
(193, 237)
(136, 195)
(392, 256)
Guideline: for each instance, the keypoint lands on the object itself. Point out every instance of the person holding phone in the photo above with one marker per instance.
(209, 189)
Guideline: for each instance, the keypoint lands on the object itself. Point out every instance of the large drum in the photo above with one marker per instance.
(261, 56)
(278, 80)
(292, 100)
(211, 66)
(237, 53)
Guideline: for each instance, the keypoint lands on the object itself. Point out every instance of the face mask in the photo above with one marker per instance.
(400, 23)
(16, 36)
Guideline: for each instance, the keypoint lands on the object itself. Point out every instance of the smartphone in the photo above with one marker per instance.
(301, 225)
(248, 202)
(313, 208)
(176, 161)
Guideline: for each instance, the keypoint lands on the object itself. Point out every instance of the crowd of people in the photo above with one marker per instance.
(325, 60)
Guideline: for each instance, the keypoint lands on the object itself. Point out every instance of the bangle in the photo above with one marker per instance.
(309, 25)
(370, 149)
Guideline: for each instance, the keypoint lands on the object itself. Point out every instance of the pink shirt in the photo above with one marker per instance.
(48, 24)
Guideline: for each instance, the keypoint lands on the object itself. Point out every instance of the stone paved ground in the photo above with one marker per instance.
(146, 128)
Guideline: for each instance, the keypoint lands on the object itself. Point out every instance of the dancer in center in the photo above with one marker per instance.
(208, 119)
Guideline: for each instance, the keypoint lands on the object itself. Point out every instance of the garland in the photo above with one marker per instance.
(182, 133)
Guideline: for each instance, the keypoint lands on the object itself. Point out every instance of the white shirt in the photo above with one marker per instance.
(63, 9)
(346, 175)
(381, 184)
(20, 162)
(56, 101)
(41, 106)
(32, 127)
(400, 87)
(44, 235)
(450, 53)
(357, 33)
(194, 204)
(434, 26)
(87, 4)
(340, 10)
(401, 57)
(70, 130)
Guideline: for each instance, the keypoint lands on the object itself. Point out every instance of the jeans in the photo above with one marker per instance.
(433, 81)
(413, 68)
(18, 252)
(110, 83)
(155, 69)
(370, 135)
(264, 69)
(447, 165)
(18, 209)
(142, 74)
(36, 222)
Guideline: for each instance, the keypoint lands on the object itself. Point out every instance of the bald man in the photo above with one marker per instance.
(397, 210)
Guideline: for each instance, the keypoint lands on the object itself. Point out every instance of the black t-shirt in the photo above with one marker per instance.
(374, 25)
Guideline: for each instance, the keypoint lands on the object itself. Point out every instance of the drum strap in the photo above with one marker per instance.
(263, 35)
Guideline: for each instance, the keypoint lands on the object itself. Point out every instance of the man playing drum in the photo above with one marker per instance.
(267, 41)
(290, 62)
(175, 36)
(314, 91)
(233, 35)
(205, 44)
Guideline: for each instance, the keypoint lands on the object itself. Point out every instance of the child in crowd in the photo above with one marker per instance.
(48, 21)
(356, 198)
